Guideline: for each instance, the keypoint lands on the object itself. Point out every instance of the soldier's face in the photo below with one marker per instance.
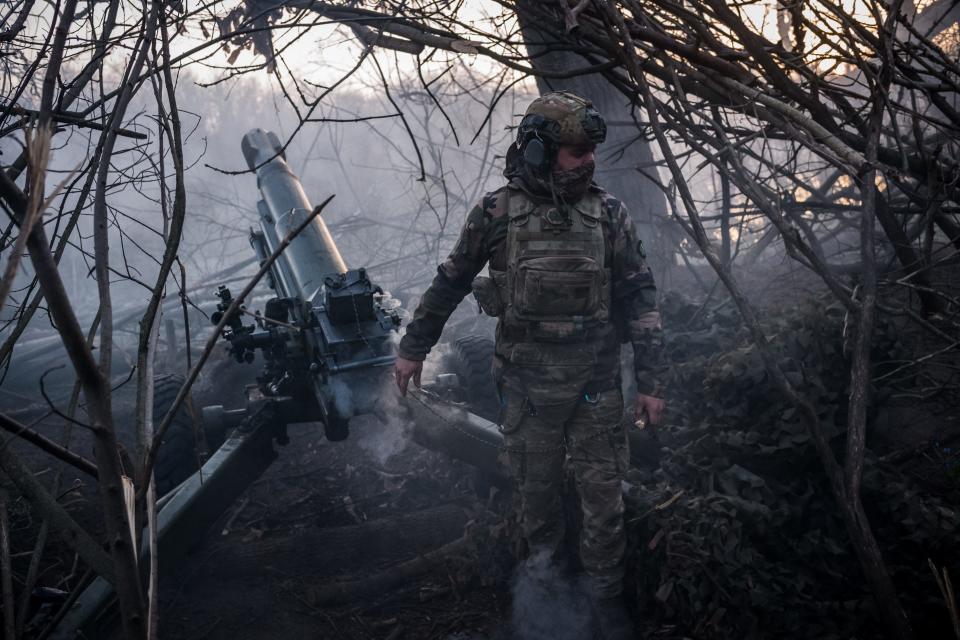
(572, 156)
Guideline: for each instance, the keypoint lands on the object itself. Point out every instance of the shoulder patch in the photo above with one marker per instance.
(495, 202)
(611, 205)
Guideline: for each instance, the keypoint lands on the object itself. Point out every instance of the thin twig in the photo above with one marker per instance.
(39, 440)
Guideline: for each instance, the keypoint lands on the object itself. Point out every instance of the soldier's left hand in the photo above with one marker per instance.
(649, 409)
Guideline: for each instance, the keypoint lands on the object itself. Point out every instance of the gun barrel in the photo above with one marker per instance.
(313, 254)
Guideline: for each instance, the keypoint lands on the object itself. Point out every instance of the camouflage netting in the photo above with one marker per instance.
(737, 534)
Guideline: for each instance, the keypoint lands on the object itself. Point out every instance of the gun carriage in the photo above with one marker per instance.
(326, 335)
(326, 341)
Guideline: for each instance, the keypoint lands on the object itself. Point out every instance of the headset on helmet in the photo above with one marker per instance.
(568, 119)
(538, 138)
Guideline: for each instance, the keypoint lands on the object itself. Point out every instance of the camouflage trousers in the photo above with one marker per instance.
(588, 435)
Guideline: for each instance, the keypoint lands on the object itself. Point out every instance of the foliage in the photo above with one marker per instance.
(737, 535)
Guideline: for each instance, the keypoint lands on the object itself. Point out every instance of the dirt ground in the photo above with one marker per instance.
(322, 512)
(326, 512)
(313, 491)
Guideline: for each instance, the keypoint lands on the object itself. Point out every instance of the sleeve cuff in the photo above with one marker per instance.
(650, 387)
(406, 355)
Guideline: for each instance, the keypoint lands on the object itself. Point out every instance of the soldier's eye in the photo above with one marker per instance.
(579, 152)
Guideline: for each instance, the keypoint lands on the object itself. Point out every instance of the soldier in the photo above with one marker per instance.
(568, 283)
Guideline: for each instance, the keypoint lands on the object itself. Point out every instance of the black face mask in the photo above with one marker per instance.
(563, 186)
(572, 185)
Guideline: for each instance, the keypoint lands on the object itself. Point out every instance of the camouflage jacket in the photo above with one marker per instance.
(635, 316)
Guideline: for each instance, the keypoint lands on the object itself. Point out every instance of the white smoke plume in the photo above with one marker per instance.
(386, 433)
(548, 605)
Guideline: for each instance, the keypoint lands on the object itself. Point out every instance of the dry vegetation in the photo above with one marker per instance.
(785, 501)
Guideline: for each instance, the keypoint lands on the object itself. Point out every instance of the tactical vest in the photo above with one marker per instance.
(556, 285)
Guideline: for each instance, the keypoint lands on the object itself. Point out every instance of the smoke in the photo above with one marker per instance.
(383, 218)
(383, 425)
(342, 393)
(548, 605)
(382, 440)
(384, 433)
(436, 362)
(387, 433)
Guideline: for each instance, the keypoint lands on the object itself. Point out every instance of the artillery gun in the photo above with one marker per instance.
(328, 328)
(326, 345)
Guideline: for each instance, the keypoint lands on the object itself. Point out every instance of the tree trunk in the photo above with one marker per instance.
(620, 157)
(6, 573)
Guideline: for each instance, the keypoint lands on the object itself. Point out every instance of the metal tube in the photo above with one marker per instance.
(381, 361)
(262, 244)
(185, 517)
(313, 254)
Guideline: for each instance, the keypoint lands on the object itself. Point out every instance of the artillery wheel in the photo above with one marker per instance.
(177, 457)
(474, 368)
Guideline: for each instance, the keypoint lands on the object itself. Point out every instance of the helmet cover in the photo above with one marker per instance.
(578, 122)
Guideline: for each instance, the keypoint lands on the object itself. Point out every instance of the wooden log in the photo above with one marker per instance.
(341, 592)
(318, 552)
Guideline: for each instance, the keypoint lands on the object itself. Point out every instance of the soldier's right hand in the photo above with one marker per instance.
(404, 369)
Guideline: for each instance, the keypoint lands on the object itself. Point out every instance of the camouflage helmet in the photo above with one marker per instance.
(555, 119)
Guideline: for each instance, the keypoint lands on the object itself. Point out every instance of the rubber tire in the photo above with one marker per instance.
(474, 368)
(177, 458)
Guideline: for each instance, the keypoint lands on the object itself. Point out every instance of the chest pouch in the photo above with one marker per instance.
(555, 288)
(487, 293)
(556, 276)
